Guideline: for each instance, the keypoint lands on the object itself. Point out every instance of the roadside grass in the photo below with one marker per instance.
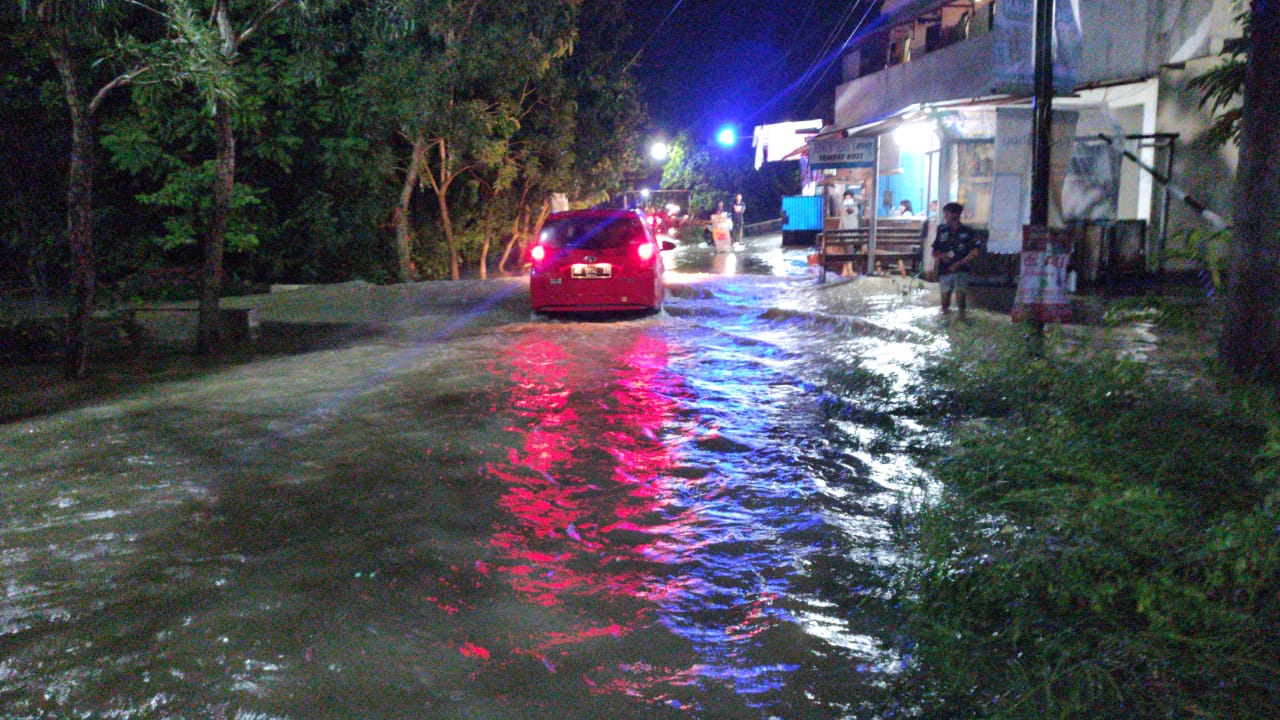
(1106, 542)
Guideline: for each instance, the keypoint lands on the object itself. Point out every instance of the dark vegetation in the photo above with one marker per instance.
(324, 120)
(1106, 539)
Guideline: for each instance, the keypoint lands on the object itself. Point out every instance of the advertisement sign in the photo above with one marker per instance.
(1011, 201)
(842, 152)
(1014, 49)
(1042, 294)
(1091, 190)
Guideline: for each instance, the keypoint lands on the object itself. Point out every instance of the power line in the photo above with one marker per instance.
(652, 34)
(824, 60)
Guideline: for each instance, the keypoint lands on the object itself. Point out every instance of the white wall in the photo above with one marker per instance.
(1124, 40)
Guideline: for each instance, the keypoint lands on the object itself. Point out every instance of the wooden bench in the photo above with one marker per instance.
(842, 246)
(897, 247)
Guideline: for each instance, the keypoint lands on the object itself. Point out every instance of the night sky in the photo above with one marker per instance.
(739, 62)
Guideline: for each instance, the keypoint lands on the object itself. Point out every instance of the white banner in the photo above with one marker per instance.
(782, 141)
(1011, 200)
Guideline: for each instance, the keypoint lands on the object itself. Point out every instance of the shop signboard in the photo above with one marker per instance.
(842, 152)
(1042, 294)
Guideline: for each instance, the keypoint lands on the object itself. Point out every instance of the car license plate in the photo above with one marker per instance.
(584, 271)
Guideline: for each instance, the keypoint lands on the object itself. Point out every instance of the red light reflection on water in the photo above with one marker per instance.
(585, 489)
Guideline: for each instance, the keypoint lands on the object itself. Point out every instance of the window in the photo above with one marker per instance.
(592, 233)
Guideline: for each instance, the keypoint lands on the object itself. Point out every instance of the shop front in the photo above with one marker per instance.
(979, 155)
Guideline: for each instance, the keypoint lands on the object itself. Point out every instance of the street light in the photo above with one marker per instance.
(727, 137)
(659, 151)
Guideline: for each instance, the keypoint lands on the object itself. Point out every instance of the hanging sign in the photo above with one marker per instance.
(1042, 294)
(1011, 202)
(1014, 46)
(842, 152)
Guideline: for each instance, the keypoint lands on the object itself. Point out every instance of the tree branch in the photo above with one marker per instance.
(256, 22)
(119, 81)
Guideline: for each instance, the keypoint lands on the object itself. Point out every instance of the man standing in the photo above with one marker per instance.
(739, 213)
(954, 247)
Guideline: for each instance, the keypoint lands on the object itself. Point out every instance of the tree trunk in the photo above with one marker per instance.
(515, 231)
(506, 251)
(404, 228)
(75, 363)
(75, 358)
(210, 331)
(488, 238)
(1250, 344)
(447, 222)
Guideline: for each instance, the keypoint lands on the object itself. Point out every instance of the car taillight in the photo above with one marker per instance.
(645, 251)
(538, 253)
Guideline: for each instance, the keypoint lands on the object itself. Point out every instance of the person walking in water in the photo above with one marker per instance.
(955, 246)
(739, 215)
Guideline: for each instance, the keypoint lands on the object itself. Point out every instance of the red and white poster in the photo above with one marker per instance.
(1042, 294)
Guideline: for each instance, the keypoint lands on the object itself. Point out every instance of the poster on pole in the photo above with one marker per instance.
(1014, 46)
(1042, 294)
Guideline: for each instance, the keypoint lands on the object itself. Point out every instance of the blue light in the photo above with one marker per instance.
(727, 137)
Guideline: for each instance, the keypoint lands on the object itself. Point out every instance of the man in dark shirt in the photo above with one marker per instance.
(954, 247)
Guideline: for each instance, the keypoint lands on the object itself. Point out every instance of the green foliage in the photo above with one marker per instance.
(1206, 248)
(324, 96)
(1163, 311)
(1106, 547)
(689, 167)
(1222, 87)
(711, 177)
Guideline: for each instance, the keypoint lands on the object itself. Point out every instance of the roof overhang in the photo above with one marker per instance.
(916, 112)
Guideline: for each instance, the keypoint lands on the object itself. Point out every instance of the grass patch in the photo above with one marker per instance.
(1107, 544)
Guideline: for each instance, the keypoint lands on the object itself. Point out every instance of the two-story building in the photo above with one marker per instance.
(943, 87)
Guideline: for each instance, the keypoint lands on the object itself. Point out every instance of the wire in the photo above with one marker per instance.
(825, 58)
(652, 34)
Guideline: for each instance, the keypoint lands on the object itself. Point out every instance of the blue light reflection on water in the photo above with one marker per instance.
(675, 473)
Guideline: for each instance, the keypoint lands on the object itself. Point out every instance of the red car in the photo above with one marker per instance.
(597, 261)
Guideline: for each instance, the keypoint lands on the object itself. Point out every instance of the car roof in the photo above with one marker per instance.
(594, 213)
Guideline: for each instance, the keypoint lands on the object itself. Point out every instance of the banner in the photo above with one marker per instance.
(782, 141)
(1042, 294)
(1091, 190)
(842, 152)
(1011, 198)
(1014, 46)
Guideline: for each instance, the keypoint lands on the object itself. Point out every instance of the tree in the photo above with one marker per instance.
(584, 126)
(456, 78)
(33, 210)
(81, 38)
(1250, 344)
(214, 45)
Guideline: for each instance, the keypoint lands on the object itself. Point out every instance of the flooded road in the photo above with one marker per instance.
(490, 515)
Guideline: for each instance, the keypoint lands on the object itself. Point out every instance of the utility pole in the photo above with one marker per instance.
(1037, 244)
(1042, 117)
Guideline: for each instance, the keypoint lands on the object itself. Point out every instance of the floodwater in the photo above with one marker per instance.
(686, 515)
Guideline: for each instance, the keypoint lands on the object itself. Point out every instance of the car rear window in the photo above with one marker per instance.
(591, 233)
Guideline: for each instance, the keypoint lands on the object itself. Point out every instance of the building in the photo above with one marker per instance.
(943, 87)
